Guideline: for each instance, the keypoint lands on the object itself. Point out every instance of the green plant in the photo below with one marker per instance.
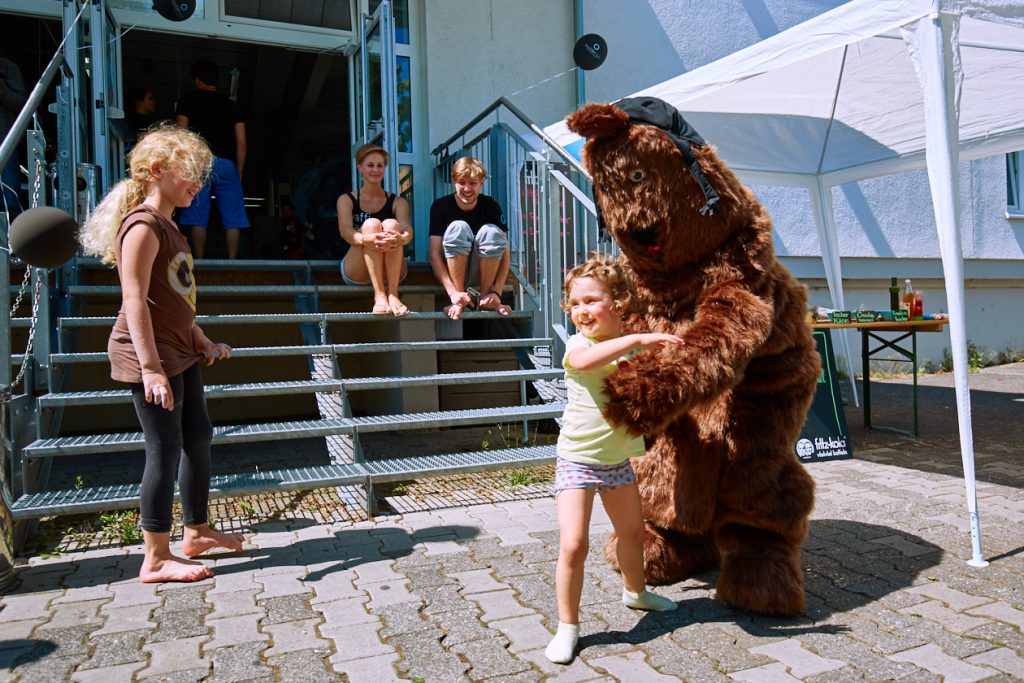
(522, 477)
(975, 358)
(1011, 354)
(122, 525)
(79, 482)
(247, 507)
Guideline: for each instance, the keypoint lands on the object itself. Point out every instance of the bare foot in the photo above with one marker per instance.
(381, 307)
(197, 540)
(454, 311)
(172, 568)
(396, 305)
(492, 302)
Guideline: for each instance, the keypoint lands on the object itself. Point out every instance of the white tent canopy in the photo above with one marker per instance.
(870, 88)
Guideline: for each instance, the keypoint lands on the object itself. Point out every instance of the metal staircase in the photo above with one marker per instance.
(335, 423)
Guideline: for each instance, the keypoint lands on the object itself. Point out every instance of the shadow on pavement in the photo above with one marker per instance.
(24, 651)
(847, 565)
(352, 547)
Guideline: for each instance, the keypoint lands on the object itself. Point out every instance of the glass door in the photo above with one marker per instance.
(105, 54)
(374, 97)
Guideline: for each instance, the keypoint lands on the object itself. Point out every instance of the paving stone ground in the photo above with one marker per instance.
(466, 592)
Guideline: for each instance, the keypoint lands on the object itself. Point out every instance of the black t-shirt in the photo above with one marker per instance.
(212, 115)
(444, 210)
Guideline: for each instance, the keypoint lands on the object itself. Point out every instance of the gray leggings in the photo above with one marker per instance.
(186, 428)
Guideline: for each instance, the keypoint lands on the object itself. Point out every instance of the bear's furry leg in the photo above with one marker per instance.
(669, 556)
(760, 571)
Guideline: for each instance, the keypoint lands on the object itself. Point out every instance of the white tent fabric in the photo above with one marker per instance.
(870, 88)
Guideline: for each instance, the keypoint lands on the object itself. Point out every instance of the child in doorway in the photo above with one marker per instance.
(592, 454)
(156, 347)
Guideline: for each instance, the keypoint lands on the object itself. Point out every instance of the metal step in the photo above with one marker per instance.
(399, 469)
(376, 347)
(207, 291)
(283, 318)
(100, 498)
(121, 396)
(133, 441)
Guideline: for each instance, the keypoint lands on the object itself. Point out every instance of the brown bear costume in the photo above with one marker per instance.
(721, 485)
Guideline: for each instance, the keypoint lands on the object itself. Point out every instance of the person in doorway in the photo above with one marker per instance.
(592, 455)
(376, 226)
(12, 98)
(218, 120)
(140, 112)
(294, 232)
(156, 347)
(468, 242)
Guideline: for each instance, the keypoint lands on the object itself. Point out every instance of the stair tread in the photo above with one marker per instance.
(127, 441)
(109, 396)
(97, 498)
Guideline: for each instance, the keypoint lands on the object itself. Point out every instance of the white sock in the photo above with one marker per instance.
(561, 648)
(645, 599)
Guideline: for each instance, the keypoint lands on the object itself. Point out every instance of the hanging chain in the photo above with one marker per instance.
(37, 192)
(31, 330)
(21, 291)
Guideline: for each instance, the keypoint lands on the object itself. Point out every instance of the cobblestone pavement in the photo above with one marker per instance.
(467, 593)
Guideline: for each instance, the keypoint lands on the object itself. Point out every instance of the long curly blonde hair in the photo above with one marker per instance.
(609, 272)
(165, 146)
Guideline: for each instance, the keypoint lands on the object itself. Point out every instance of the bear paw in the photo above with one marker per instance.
(633, 402)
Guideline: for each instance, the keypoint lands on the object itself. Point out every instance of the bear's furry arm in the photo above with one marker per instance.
(656, 388)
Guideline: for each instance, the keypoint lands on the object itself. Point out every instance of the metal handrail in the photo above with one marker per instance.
(515, 111)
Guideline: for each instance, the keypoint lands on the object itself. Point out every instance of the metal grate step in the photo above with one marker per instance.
(95, 499)
(206, 291)
(282, 318)
(398, 469)
(376, 347)
(132, 441)
(124, 396)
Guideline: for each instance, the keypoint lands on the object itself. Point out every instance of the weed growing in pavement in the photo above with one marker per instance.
(123, 525)
(522, 477)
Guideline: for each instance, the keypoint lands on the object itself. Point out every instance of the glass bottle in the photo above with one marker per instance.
(907, 300)
(894, 296)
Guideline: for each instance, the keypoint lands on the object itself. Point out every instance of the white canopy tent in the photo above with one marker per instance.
(870, 88)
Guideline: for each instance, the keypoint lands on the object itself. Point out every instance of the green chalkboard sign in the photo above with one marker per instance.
(824, 435)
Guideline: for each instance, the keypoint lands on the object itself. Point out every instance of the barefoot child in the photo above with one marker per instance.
(156, 346)
(592, 454)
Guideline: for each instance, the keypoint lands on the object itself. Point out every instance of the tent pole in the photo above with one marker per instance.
(933, 42)
(828, 243)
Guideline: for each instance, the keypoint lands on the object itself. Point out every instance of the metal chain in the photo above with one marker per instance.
(31, 330)
(21, 292)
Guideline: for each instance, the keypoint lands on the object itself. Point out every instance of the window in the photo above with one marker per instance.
(332, 14)
(1015, 183)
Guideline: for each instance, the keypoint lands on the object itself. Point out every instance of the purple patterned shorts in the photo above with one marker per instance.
(576, 475)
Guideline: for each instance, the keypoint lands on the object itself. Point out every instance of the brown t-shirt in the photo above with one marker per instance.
(171, 298)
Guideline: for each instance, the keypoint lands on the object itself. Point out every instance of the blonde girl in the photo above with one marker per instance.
(155, 345)
(594, 455)
(376, 226)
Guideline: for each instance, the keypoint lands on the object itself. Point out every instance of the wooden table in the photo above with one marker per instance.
(871, 332)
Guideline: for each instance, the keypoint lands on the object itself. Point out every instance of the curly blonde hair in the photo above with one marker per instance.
(606, 270)
(165, 146)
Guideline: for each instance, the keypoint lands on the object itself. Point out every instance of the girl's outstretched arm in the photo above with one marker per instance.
(602, 353)
(138, 252)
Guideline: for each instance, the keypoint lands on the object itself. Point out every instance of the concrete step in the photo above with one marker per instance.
(284, 318)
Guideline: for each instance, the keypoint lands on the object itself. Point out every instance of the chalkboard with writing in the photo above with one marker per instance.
(824, 435)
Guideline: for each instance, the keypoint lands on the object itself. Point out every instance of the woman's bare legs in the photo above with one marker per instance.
(394, 267)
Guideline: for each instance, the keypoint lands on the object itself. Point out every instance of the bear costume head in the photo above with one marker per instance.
(720, 484)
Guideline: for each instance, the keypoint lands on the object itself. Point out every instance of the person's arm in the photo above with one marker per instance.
(603, 353)
(440, 266)
(241, 147)
(211, 351)
(401, 208)
(347, 231)
(138, 252)
(182, 121)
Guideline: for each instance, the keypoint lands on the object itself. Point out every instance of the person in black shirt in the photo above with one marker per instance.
(215, 117)
(141, 108)
(468, 242)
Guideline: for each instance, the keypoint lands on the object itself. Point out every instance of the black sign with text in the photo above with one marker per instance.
(824, 435)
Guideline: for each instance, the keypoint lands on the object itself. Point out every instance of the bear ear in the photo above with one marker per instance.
(598, 121)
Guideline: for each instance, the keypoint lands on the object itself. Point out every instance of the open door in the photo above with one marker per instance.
(105, 82)
(374, 98)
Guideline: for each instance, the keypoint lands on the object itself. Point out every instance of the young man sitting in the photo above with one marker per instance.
(468, 242)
